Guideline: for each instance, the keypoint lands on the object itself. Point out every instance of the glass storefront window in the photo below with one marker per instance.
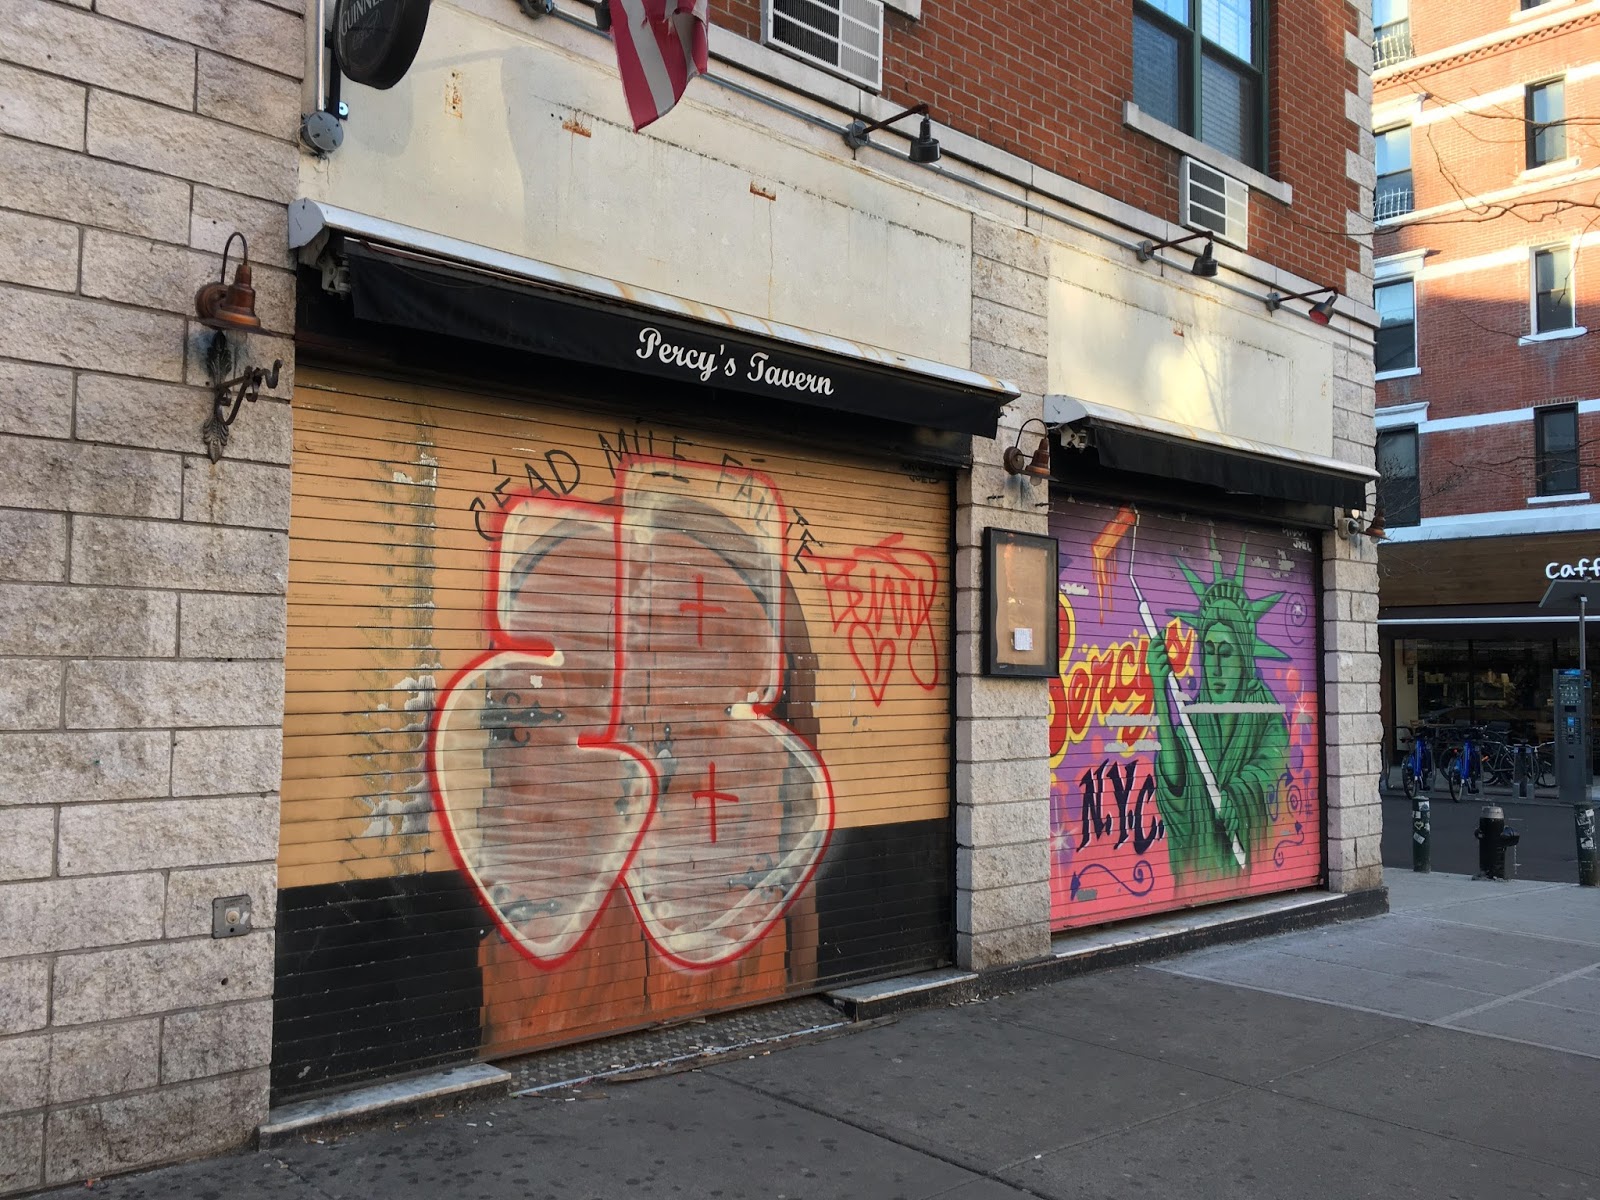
(1511, 685)
(1444, 682)
(1503, 684)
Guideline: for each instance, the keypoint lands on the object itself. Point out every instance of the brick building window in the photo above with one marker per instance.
(1391, 32)
(1545, 113)
(1397, 326)
(1399, 480)
(1393, 197)
(1555, 445)
(1552, 289)
(1199, 66)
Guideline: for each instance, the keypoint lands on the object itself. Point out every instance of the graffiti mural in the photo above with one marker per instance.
(882, 598)
(623, 734)
(594, 723)
(1183, 719)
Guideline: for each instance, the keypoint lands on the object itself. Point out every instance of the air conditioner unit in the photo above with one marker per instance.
(1214, 202)
(842, 36)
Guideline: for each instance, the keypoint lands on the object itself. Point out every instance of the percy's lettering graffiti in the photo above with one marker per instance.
(706, 364)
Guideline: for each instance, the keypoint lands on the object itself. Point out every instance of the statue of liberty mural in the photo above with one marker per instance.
(1223, 754)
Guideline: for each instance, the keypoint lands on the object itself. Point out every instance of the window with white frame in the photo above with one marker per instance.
(1396, 349)
(1545, 112)
(1553, 291)
(1200, 66)
(1393, 196)
(1555, 443)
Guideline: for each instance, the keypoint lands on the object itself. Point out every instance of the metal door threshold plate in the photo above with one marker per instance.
(675, 1047)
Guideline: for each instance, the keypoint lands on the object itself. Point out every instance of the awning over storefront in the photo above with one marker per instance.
(413, 279)
(1151, 446)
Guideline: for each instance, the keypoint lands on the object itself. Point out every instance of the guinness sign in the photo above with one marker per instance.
(376, 40)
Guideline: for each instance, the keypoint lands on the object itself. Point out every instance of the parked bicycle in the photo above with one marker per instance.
(1544, 755)
(1463, 768)
(1417, 769)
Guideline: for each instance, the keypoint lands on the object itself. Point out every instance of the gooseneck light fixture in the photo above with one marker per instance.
(227, 308)
(224, 306)
(1321, 312)
(1205, 265)
(924, 147)
(1017, 460)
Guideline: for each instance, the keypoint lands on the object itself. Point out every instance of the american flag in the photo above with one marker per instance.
(661, 45)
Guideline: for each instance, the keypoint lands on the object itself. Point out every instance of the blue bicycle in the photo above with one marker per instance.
(1416, 770)
(1463, 770)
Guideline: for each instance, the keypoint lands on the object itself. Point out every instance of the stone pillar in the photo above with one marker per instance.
(141, 587)
(1352, 723)
(1002, 737)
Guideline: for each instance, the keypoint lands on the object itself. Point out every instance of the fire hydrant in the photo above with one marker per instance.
(1493, 838)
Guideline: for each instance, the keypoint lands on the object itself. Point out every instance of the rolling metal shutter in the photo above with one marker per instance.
(1191, 773)
(594, 724)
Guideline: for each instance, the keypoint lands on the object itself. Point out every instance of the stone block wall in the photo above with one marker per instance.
(1002, 725)
(141, 587)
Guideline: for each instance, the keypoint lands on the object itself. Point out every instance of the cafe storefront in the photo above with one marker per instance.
(1462, 637)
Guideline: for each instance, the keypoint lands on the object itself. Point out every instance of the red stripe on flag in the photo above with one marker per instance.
(661, 45)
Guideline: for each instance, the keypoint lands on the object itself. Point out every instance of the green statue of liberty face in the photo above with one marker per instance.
(1223, 662)
(1227, 621)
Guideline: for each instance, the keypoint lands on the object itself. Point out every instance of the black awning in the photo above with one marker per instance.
(399, 289)
(1128, 448)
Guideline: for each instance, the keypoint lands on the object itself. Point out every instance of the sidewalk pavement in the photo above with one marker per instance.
(1448, 1049)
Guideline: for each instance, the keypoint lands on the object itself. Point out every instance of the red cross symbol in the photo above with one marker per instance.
(710, 793)
(700, 608)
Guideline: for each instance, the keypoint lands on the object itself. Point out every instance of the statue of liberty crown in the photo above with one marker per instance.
(1224, 601)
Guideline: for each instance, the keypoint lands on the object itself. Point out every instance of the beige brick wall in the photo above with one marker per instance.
(141, 587)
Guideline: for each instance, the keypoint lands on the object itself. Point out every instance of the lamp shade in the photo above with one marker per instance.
(228, 306)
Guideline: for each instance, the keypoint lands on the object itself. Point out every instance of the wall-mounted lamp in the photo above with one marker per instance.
(225, 306)
(924, 147)
(1348, 526)
(1205, 266)
(1375, 530)
(1018, 462)
(1321, 312)
(230, 307)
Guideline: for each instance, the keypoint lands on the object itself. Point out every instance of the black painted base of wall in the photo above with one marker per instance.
(374, 977)
(1347, 907)
(381, 977)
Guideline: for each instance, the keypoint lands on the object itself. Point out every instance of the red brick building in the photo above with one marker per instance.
(1486, 216)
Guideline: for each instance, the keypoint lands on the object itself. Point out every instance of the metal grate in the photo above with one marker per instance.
(845, 36)
(1215, 202)
(1391, 44)
(674, 1046)
(1391, 201)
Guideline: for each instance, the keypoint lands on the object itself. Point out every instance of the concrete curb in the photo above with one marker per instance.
(1138, 944)
(362, 1106)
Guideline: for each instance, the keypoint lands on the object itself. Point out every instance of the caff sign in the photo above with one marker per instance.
(377, 40)
(1584, 568)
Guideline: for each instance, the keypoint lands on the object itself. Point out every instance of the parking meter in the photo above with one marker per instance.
(1573, 752)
